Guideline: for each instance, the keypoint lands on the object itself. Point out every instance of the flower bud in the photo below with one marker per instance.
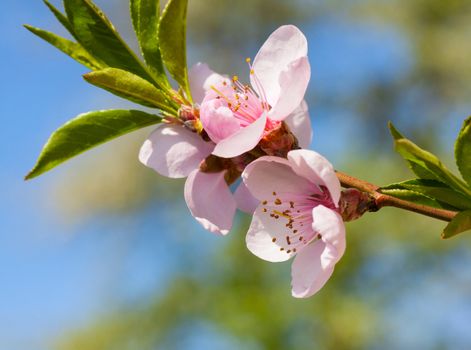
(279, 141)
(354, 203)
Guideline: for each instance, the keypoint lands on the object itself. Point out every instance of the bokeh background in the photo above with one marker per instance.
(102, 253)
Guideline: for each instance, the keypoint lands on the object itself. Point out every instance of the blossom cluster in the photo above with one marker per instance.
(257, 132)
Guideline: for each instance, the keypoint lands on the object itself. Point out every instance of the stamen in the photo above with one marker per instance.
(277, 213)
(221, 94)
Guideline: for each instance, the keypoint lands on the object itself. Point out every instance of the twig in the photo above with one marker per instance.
(383, 200)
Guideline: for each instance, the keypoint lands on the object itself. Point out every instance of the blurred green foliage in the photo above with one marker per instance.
(389, 254)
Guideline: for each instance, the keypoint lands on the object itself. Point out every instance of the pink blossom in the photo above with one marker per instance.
(297, 216)
(176, 152)
(237, 116)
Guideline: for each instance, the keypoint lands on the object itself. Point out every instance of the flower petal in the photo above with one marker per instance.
(242, 141)
(299, 123)
(174, 151)
(218, 120)
(293, 83)
(244, 199)
(201, 78)
(264, 236)
(329, 224)
(307, 274)
(210, 201)
(314, 167)
(283, 46)
(273, 174)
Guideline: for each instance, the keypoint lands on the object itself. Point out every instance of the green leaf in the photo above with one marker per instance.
(428, 164)
(98, 36)
(460, 223)
(87, 131)
(60, 17)
(416, 169)
(70, 48)
(435, 190)
(145, 18)
(415, 197)
(463, 151)
(172, 38)
(129, 86)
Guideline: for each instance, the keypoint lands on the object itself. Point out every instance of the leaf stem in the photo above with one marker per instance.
(381, 200)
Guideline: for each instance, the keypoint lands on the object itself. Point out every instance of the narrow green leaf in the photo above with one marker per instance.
(430, 162)
(460, 223)
(87, 131)
(172, 38)
(145, 18)
(414, 197)
(60, 17)
(70, 48)
(129, 86)
(134, 9)
(416, 169)
(394, 132)
(425, 164)
(98, 36)
(463, 151)
(435, 190)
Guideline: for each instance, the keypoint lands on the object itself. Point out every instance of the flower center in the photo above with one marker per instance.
(245, 104)
(295, 211)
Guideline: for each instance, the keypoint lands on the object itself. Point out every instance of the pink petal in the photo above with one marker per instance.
(201, 78)
(218, 120)
(285, 45)
(293, 83)
(329, 224)
(242, 141)
(314, 167)
(262, 231)
(300, 125)
(174, 151)
(210, 201)
(308, 275)
(273, 174)
(244, 199)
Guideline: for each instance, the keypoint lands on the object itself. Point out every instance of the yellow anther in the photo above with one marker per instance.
(235, 78)
(247, 60)
(252, 72)
(198, 126)
(276, 212)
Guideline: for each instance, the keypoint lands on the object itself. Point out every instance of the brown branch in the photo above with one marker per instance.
(381, 200)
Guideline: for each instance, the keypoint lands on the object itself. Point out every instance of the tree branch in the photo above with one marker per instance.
(381, 200)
